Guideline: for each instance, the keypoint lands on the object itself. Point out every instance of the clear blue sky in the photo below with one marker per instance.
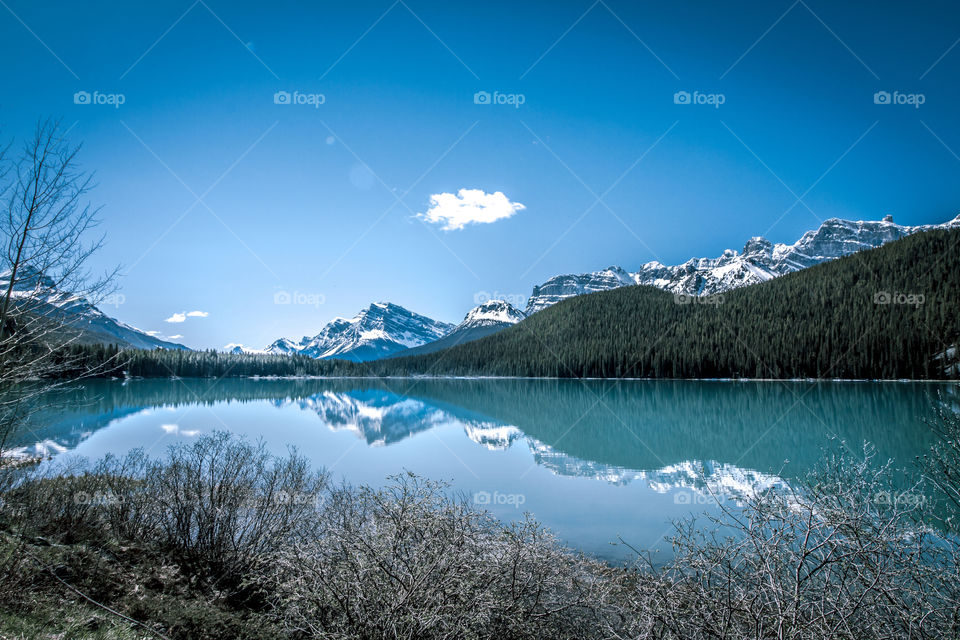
(304, 199)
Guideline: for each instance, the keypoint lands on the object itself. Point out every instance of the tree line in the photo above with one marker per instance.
(115, 361)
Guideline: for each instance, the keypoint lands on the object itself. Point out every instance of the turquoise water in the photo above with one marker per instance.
(595, 461)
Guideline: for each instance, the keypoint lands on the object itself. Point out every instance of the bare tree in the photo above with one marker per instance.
(46, 240)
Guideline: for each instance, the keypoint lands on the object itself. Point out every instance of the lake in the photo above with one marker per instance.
(593, 460)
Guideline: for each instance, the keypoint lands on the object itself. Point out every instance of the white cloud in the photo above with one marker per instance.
(469, 206)
(180, 317)
(176, 337)
(174, 429)
(152, 333)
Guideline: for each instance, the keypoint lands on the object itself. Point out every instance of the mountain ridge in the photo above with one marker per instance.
(78, 315)
(759, 261)
(886, 313)
(379, 330)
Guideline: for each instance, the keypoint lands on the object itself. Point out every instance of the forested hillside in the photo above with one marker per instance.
(884, 313)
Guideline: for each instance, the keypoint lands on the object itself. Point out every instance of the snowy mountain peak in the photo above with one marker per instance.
(377, 331)
(238, 349)
(492, 312)
(758, 246)
(760, 260)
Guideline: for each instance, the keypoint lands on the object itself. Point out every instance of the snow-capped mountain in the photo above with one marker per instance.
(236, 348)
(286, 346)
(379, 330)
(38, 295)
(759, 261)
(482, 320)
(491, 313)
(378, 417)
(492, 435)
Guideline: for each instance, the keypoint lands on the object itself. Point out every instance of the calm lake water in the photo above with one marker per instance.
(593, 460)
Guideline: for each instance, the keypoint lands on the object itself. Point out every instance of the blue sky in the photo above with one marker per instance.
(217, 199)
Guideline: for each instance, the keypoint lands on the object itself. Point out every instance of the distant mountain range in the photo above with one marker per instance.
(884, 313)
(759, 261)
(388, 330)
(84, 322)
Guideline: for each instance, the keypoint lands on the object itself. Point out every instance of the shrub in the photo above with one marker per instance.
(223, 503)
(842, 556)
(408, 561)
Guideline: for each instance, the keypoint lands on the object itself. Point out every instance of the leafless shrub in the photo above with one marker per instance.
(223, 503)
(408, 561)
(845, 555)
(56, 500)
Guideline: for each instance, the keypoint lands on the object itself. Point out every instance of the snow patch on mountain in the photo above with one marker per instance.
(491, 313)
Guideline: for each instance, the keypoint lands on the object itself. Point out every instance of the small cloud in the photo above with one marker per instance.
(152, 333)
(174, 429)
(176, 337)
(182, 316)
(469, 206)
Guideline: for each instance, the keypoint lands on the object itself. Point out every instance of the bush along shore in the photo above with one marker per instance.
(219, 539)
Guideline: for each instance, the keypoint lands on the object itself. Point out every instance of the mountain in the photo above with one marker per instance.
(481, 321)
(237, 349)
(81, 320)
(759, 261)
(378, 331)
(885, 313)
